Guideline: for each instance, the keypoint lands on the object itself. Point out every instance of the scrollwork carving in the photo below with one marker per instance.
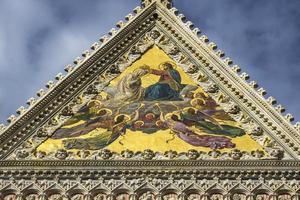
(193, 154)
(232, 108)
(61, 154)
(236, 154)
(277, 153)
(170, 154)
(256, 131)
(105, 154)
(211, 88)
(148, 154)
(127, 154)
(22, 153)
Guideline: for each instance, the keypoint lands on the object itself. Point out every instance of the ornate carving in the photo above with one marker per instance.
(61, 154)
(236, 154)
(148, 154)
(277, 153)
(110, 177)
(256, 131)
(157, 37)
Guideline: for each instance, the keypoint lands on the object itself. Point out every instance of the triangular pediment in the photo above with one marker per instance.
(154, 89)
(147, 109)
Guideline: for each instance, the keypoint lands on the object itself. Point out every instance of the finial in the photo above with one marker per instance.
(167, 3)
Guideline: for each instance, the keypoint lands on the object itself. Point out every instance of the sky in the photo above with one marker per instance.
(39, 38)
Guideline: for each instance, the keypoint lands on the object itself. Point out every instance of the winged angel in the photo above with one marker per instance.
(165, 105)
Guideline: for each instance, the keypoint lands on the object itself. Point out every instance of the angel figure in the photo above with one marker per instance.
(116, 128)
(185, 133)
(207, 124)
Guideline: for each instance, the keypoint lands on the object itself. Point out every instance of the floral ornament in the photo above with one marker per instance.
(22, 153)
(135, 50)
(257, 154)
(256, 131)
(235, 154)
(40, 154)
(92, 89)
(105, 154)
(148, 154)
(83, 154)
(114, 69)
(170, 154)
(277, 153)
(61, 154)
(127, 154)
(155, 34)
(214, 153)
(233, 109)
(67, 111)
(192, 69)
(42, 133)
(174, 50)
(212, 88)
(193, 154)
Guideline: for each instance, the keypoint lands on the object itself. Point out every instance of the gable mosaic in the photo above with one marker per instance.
(152, 105)
(151, 112)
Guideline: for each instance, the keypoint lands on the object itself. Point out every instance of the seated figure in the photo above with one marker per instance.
(168, 87)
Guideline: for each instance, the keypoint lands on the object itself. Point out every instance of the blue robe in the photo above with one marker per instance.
(162, 91)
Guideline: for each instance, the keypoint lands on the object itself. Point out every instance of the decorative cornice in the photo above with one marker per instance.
(289, 169)
(153, 179)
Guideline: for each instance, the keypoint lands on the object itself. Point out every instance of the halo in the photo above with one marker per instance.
(156, 123)
(106, 109)
(196, 93)
(126, 117)
(187, 108)
(169, 62)
(94, 103)
(193, 101)
(153, 115)
(143, 123)
(169, 115)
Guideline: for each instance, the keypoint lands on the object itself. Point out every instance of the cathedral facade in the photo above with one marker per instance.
(152, 111)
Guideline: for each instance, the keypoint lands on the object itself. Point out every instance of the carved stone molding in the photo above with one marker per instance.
(29, 174)
(148, 188)
(156, 37)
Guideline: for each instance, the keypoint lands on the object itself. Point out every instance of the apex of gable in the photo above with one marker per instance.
(167, 3)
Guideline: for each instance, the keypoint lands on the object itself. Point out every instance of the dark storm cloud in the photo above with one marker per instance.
(38, 38)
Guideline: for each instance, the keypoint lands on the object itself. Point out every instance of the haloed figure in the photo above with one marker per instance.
(168, 87)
